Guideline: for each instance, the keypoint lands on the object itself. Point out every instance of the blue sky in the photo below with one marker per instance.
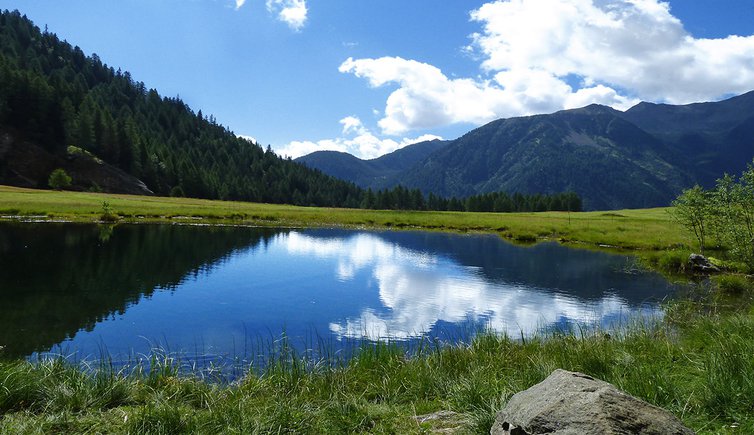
(369, 76)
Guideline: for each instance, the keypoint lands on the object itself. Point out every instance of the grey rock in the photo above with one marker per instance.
(571, 403)
(700, 263)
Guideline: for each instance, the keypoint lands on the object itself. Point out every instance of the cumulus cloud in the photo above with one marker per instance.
(291, 12)
(352, 124)
(636, 45)
(427, 98)
(239, 3)
(355, 139)
(544, 55)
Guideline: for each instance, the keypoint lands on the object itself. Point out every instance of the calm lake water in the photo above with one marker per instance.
(87, 291)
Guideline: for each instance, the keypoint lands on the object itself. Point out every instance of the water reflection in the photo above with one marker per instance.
(57, 280)
(83, 288)
(420, 289)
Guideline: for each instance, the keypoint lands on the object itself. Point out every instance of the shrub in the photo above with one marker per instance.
(177, 192)
(59, 180)
(674, 261)
(107, 213)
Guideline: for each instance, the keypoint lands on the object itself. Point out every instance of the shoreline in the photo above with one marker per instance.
(650, 230)
(694, 362)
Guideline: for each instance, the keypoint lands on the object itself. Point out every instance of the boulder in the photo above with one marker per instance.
(571, 403)
(700, 263)
(26, 164)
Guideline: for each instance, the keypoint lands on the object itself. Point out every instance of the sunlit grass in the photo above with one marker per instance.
(697, 366)
(696, 362)
(647, 229)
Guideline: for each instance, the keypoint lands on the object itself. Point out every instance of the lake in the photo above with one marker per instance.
(213, 292)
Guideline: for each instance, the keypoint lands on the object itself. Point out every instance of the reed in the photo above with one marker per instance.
(695, 362)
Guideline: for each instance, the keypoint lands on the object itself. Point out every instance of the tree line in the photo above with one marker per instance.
(402, 198)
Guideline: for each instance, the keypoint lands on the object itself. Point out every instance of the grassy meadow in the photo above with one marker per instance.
(695, 362)
(648, 229)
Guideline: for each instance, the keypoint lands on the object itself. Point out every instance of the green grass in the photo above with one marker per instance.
(648, 229)
(696, 362)
(697, 366)
(734, 284)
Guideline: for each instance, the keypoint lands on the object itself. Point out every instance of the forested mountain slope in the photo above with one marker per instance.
(62, 108)
(643, 157)
(592, 151)
(715, 137)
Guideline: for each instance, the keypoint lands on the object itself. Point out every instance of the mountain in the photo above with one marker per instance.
(375, 173)
(673, 121)
(643, 157)
(592, 151)
(62, 109)
(716, 137)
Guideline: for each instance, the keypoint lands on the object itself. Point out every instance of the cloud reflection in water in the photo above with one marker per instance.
(418, 290)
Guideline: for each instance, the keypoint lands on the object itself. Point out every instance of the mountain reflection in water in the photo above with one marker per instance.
(83, 288)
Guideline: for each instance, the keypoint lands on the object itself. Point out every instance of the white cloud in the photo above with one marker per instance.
(426, 98)
(239, 3)
(636, 45)
(356, 139)
(291, 12)
(546, 55)
(352, 124)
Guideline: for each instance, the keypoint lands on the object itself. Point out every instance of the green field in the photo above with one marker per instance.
(648, 229)
(696, 361)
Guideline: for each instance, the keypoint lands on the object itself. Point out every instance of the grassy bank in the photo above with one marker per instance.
(648, 229)
(698, 367)
(696, 362)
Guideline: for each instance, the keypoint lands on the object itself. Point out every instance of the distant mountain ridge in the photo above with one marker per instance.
(374, 173)
(716, 137)
(642, 157)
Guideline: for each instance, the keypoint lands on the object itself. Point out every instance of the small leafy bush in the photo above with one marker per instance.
(59, 179)
(107, 214)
